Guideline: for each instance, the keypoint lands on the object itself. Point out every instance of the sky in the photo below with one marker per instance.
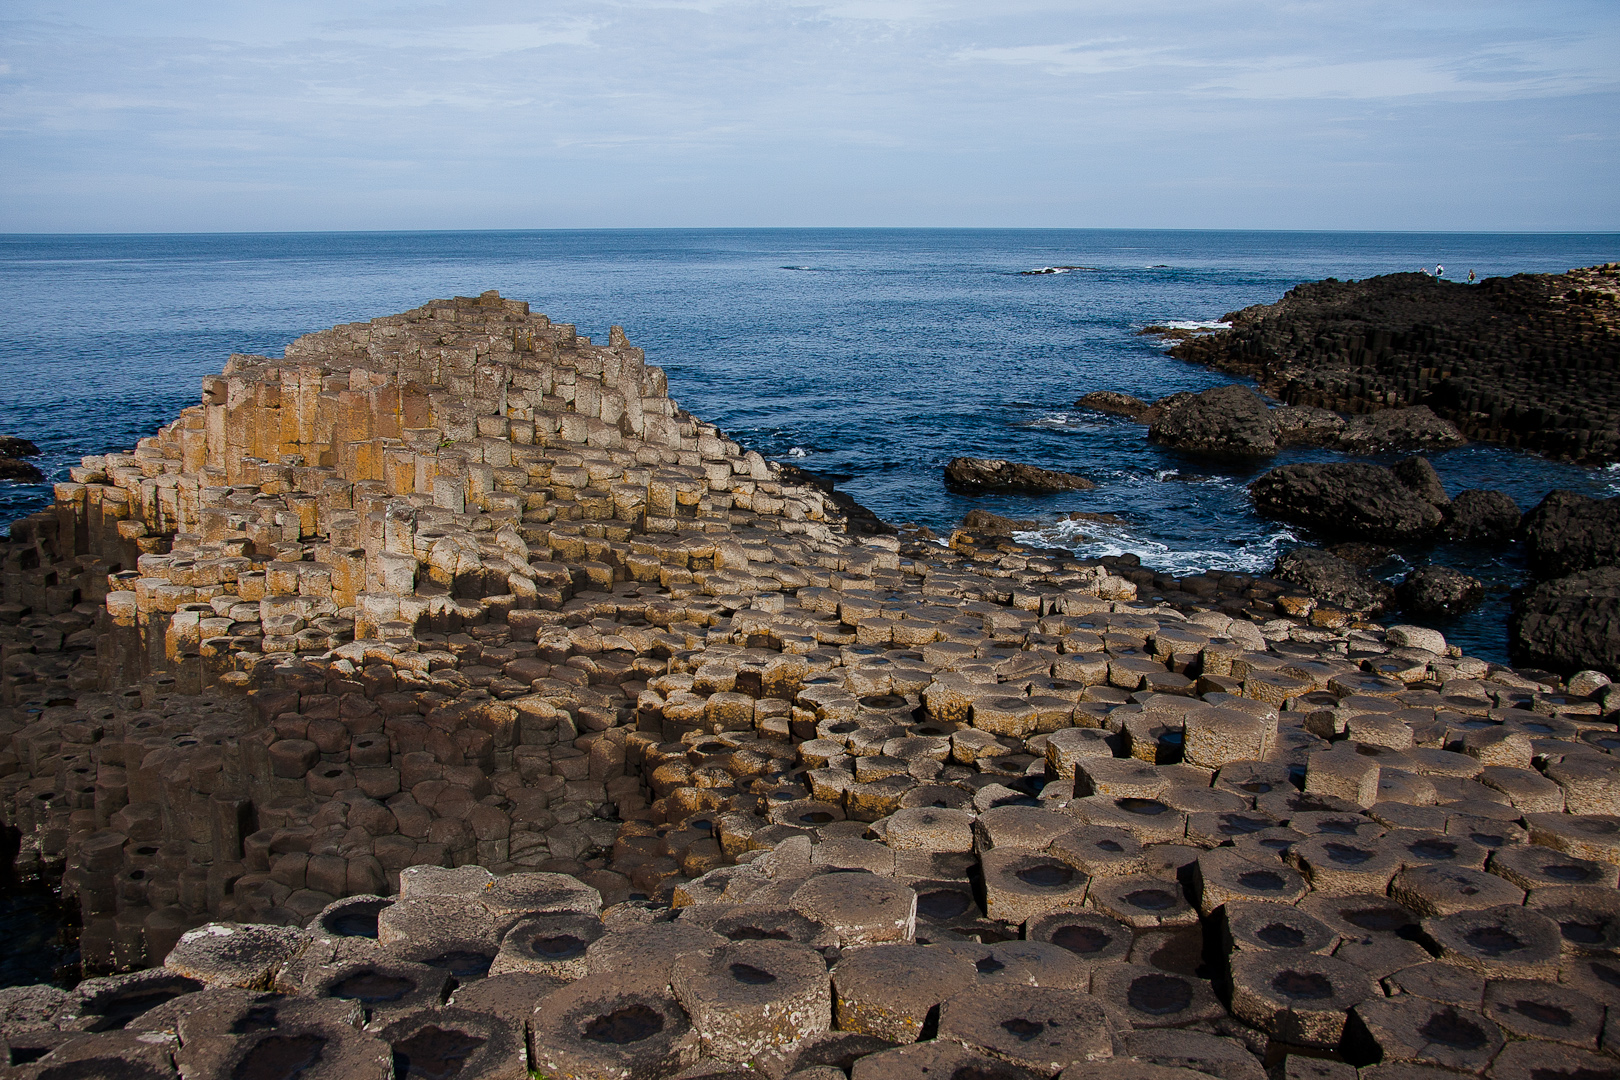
(1471, 115)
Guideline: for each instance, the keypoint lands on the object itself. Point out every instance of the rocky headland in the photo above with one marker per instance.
(440, 699)
(1530, 361)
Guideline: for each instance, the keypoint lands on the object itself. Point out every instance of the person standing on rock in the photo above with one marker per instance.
(1439, 271)
(1470, 277)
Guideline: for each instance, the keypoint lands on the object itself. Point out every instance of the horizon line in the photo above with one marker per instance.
(5, 235)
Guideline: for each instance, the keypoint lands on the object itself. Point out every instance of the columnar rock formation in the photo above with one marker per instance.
(1527, 361)
(442, 694)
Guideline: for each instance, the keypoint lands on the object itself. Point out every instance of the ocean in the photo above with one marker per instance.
(872, 354)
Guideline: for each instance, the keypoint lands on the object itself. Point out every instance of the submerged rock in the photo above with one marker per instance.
(974, 475)
(1346, 499)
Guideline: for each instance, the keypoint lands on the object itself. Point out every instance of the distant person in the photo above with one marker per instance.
(1470, 277)
(1439, 271)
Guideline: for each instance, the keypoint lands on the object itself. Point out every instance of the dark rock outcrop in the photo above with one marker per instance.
(15, 469)
(1346, 499)
(1490, 516)
(13, 447)
(12, 450)
(1439, 590)
(1225, 420)
(1527, 361)
(1235, 420)
(1108, 401)
(1567, 533)
(986, 522)
(1570, 623)
(1420, 478)
(1306, 425)
(1416, 428)
(1333, 580)
(974, 475)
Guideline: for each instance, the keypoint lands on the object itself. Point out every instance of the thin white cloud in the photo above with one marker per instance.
(1085, 58)
(471, 40)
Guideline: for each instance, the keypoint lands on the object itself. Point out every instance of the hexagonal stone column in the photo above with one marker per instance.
(611, 1027)
(887, 991)
(1297, 996)
(752, 997)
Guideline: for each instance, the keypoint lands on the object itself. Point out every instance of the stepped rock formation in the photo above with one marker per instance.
(442, 700)
(1530, 361)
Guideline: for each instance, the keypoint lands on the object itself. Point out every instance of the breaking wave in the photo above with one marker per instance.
(1097, 539)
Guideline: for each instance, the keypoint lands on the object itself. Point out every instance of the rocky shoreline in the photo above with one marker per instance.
(1529, 361)
(442, 700)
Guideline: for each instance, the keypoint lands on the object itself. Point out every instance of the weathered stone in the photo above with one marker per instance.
(972, 475)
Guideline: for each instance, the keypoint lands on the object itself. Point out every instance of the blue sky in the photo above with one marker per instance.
(1424, 114)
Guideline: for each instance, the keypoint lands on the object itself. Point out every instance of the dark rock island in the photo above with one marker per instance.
(1530, 361)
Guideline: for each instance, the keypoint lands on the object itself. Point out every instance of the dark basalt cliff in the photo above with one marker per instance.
(1528, 361)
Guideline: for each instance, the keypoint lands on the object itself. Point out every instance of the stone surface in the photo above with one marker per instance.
(1350, 500)
(970, 475)
(1333, 580)
(1439, 591)
(1225, 420)
(1570, 623)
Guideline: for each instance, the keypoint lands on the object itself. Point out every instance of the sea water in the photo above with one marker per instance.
(876, 355)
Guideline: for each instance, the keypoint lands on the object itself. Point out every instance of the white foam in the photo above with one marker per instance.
(1196, 324)
(798, 451)
(1064, 421)
(1098, 539)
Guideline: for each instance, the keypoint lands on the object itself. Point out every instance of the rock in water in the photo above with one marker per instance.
(1109, 401)
(1308, 425)
(13, 469)
(1226, 420)
(1570, 623)
(1421, 479)
(1416, 428)
(1482, 516)
(986, 522)
(13, 447)
(1495, 359)
(1333, 580)
(1439, 590)
(1568, 533)
(1346, 499)
(974, 475)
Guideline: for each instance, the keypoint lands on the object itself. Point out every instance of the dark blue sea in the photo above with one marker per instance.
(874, 354)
